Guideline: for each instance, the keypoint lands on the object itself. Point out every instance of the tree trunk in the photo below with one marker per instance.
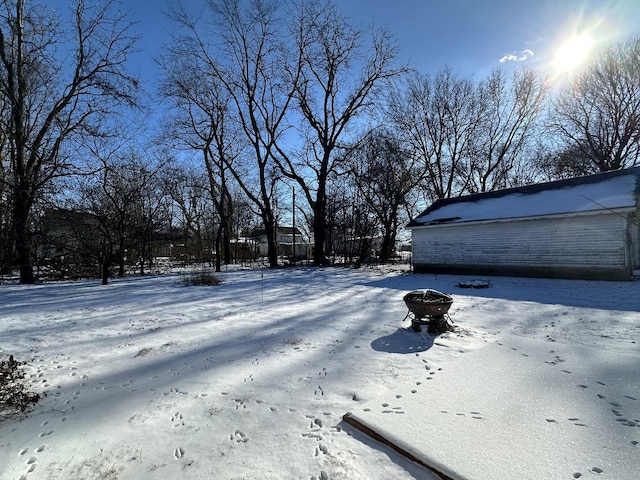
(386, 248)
(226, 232)
(388, 240)
(226, 246)
(319, 232)
(24, 258)
(218, 241)
(105, 259)
(272, 247)
(104, 272)
(23, 237)
(320, 225)
(142, 262)
(121, 258)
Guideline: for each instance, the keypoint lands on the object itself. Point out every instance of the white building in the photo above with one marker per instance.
(286, 238)
(586, 227)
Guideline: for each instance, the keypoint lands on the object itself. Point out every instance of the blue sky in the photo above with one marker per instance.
(470, 36)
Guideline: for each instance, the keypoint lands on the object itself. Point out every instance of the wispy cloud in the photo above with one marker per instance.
(517, 57)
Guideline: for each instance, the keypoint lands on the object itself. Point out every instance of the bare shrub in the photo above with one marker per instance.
(14, 395)
(197, 279)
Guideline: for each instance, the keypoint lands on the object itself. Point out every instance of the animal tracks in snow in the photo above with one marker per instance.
(31, 461)
(177, 419)
(601, 391)
(319, 391)
(583, 384)
(392, 409)
(596, 470)
(240, 403)
(575, 420)
(239, 437)
(320, 432)
(321, 449)
(473, 415)
(178, 453)
(323, 476)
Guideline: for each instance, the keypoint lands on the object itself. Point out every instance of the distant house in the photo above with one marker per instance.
(286, 238)
(586, 227)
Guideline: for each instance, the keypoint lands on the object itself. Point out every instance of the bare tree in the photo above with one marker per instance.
(598, 113)
(438, 119)
(336, 71)
(56, 83)
(188, 191)
(351, 223)
(123, 199)
(386, 177)
(554, 163)
(203, 122)
(509, 109)
(248, 62)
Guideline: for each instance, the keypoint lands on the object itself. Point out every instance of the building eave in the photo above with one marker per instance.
(618, 211)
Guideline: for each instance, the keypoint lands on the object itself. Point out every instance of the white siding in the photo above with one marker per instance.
(580, 241)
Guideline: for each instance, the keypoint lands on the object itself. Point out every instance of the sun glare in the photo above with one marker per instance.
(572, 53)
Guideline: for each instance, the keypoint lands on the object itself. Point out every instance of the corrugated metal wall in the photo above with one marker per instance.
(581, 241)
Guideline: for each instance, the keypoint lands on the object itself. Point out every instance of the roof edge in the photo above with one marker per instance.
(531, 189)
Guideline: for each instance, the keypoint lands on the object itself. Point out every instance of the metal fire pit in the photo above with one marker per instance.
(428, 307)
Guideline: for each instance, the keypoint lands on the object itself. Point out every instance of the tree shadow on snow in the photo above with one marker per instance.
(404, 340)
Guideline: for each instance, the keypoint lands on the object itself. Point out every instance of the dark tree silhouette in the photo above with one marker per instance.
(57, 81)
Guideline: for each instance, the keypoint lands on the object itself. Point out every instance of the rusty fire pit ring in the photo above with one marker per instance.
(428, 307)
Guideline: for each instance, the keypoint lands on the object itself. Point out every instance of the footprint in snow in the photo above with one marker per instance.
(178, 453)
(177, 419)
(321, 449)
(238, 437)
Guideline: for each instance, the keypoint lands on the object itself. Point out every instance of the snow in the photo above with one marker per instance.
(612, 193)
(146, 378)
(568, 410)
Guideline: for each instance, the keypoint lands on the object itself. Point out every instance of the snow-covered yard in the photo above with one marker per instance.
(148, 379)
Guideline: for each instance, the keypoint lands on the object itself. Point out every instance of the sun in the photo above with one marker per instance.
(573, 53)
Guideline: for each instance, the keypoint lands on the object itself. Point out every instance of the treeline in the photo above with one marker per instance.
(264, 99)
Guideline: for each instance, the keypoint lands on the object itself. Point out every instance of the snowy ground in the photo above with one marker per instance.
(147, 379)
